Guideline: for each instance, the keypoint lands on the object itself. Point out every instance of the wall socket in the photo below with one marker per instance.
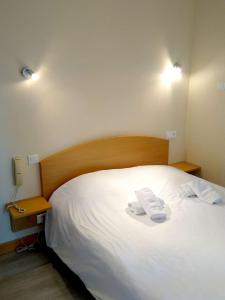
(171, 134)
(221, 86)
(41, 218)
(33, 159)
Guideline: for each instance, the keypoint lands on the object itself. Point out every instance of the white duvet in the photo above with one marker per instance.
(120, 257)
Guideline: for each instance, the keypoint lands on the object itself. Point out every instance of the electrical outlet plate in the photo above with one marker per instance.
(221, 86)
(40, 218)
(33, 159)
(171, 134)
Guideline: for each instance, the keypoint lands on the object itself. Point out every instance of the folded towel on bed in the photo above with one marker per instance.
(205, 192)
(186, 190)
(152, 205)
(136, 208)
(201, 189)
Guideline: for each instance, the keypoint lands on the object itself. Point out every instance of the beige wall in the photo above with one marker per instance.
(206, 108)
(100, 63)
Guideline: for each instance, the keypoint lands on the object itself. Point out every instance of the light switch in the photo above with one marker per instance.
(171, 134)
(33, 159)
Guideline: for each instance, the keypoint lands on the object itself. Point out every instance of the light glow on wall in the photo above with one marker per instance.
(172, 72)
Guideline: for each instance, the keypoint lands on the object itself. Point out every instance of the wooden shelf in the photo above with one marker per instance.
(186, 167)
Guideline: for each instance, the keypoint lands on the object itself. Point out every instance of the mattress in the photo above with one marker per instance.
(119, 256)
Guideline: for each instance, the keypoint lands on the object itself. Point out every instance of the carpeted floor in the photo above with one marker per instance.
(33, 276)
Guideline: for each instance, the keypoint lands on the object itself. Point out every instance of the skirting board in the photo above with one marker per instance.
(10, 246)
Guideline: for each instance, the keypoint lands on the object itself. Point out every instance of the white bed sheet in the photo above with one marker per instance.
(120, 257)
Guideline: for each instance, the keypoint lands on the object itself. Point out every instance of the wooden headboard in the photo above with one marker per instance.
(101, 154)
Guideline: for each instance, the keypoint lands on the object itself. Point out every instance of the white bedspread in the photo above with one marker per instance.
(120, 257)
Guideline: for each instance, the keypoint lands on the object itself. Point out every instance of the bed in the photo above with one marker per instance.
(117, 255)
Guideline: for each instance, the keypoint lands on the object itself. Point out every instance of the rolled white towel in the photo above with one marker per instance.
(186, 190)
(158, 214)
(153, 206)
(205, 191)
(147, 194)
(136, 208)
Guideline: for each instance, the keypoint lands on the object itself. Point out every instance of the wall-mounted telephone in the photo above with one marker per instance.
(18, 170)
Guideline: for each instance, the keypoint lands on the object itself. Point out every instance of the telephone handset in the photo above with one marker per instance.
(18, 170)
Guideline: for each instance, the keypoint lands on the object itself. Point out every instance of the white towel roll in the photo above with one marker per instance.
(187, 191)
(158, 214)
(136, 208)
(155, 209)
(152, 205)
(205, 191)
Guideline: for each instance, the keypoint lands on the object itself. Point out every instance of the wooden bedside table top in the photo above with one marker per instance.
(33, 206)
(186, 166)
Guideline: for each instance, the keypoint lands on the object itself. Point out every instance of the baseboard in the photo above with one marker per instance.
(10, 246)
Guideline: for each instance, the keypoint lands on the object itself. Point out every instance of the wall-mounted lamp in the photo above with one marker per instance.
(172, 73)
(27, 73)
(177, 71)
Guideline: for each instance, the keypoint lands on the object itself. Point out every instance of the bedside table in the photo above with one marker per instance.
(187, 167)
(33, 207)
